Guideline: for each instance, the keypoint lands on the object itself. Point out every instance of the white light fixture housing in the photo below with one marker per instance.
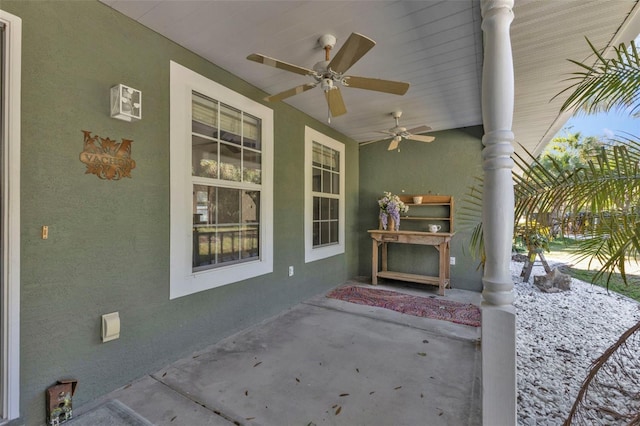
(126, 103)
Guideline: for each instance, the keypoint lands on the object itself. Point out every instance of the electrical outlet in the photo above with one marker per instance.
(452, 260)
(290, 271)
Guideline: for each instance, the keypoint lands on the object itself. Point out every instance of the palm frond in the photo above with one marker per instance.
(610, 84)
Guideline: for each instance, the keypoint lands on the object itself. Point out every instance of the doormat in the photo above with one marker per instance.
(447, 310)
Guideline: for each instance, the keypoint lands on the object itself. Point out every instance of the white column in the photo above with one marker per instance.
(498, 313)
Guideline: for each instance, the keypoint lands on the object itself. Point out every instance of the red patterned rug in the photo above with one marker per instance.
(460, 313)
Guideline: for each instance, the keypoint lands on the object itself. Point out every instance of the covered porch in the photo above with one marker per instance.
(324, 361)
(482, 75)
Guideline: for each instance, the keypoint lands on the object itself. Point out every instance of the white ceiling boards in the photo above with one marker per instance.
(436, 46)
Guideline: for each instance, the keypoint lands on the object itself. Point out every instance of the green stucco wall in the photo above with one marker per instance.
(108, 245)
(446, 166)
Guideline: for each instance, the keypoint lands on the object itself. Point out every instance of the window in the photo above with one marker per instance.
(221, 185)
(324, 196)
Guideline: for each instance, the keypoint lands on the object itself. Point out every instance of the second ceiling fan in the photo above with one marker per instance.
(329, 74)
(398, 133)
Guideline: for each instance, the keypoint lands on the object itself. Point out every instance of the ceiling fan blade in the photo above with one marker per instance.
(336, 103)
(385, 132)
(291, 92)
(419, 130)
(261, 59)
(351, 51)
(387, 86)
(394, 143)
(421, 138)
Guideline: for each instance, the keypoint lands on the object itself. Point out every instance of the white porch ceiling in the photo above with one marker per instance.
(434, 45)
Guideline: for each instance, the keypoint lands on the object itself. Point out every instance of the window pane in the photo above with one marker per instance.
(251, 132)
(252, 167)
(333, 207)
(203, 204)
(326, 182)
(228, 205)
(230, 121)
(230, 162)
(333, 232)
(324, 233)
(204, 112)
(316, 208)
(316, 233)
(317, 155)
(324, 209)
(316, 180)
(335, 183)
(230, 243)
(204, 154)
(250, 207)
(226, 225)
(250, 242)
(335, 160)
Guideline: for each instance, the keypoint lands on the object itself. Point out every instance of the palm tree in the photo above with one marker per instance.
(603, 187)
(606, 189)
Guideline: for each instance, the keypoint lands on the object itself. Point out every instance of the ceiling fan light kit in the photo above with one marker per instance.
(329, 74)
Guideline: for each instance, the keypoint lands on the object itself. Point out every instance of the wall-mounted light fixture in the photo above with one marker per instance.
(126, 103)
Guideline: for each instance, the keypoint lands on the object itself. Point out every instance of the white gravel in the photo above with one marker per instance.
(558, 337)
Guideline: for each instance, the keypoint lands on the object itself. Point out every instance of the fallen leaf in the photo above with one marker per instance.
(338, 410)
(425, 341)
(246, 393)
(173, 418)
(297, 380)
(440, 414)
(397, 387)
(165, 373)
(257, 364)
(344, 394)
(421, 395)
(422, 353)
(334, 407)
(249, 418)
(357, 370)
(371, 393)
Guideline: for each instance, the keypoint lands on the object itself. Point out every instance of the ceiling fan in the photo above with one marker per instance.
(329, 74)
(398, 133)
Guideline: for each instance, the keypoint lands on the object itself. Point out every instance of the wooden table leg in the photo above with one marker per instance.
(374, 263)
(384, 256)
(442, 273)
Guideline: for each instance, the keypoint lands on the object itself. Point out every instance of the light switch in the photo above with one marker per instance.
(110, 326)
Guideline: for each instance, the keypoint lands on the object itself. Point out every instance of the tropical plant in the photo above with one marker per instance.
(601, 191)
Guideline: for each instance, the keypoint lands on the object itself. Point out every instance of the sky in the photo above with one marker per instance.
(607, 125)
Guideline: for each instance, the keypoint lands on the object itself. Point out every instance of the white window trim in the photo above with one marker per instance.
(11, 221)
(310, 253)
(183, 280)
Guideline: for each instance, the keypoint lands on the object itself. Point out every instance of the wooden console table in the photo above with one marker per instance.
(440, 240)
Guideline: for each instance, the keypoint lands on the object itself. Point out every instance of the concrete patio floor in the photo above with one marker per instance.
(323, 362)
